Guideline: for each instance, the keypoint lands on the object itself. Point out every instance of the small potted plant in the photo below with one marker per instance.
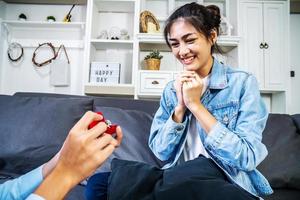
(153, 60)
(51, 19)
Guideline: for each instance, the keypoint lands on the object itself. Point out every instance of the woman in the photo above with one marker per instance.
(208, 128)
(210, 110)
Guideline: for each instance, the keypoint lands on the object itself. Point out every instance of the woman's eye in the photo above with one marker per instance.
(174, 45)
(190, 41)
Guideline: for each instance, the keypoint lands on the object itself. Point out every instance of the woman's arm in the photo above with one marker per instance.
(165, 133)
(242, 147)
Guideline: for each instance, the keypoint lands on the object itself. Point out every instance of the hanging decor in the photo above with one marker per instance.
(60, 69)
(52, 49)
(15, 51)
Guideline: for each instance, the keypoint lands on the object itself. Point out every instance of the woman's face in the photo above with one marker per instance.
(191, 47)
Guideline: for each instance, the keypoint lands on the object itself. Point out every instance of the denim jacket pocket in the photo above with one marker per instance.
(225, 112)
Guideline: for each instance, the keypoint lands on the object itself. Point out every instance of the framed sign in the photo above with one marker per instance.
(105, 72)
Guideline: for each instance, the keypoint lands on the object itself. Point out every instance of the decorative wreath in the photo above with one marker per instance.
(55, 54)
(49, 45)
(14, 48)
(145, 17)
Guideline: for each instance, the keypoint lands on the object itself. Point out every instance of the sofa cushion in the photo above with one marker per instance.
(281, 166)
(32, 129)
(296, 119)
(136, 128)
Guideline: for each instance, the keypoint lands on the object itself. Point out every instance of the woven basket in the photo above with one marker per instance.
(146, 17)
(153, 64)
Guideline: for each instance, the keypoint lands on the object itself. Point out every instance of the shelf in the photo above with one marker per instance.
(42, 24)
(156, 40)
(65, 2)
(159, 39)
(109, 89)
(228, 40)
(33, 43)
(112, 44)
(271, 91)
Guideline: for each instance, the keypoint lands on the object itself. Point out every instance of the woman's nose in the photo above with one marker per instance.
(183, 50)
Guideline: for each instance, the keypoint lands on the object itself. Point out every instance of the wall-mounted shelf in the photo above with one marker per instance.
(42, 24)
(33, 43)
(112, 44)
(109, 89)
(227, 43)
(159, 38)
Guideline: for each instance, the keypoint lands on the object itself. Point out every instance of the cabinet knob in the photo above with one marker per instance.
(266, 45)
(154, 82)
(261, 45)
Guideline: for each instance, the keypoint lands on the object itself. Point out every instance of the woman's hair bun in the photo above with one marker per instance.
(215, 12)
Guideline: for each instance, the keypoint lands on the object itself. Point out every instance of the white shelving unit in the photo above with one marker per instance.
(102, 15)
(150, 84)
(111, 17)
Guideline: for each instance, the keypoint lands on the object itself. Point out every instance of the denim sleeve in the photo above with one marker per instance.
(21, 187)
(242, 147)
(165, 134)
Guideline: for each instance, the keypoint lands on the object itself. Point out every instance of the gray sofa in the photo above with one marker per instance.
(34, 125)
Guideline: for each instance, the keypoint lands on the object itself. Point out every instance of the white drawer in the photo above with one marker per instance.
(154, 82)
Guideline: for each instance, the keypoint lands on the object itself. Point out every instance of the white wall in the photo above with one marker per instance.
(295, 62)
(23, 75)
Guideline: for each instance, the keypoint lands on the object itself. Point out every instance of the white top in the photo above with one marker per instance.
(193, 146)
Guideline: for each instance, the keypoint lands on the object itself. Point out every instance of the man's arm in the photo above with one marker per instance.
(82, 153)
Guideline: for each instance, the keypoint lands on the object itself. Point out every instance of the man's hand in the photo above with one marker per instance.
(83, 151)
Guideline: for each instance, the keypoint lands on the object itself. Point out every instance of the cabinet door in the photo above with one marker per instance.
(252, 27)
(275, 36)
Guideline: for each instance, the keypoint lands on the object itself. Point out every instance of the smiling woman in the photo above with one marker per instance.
(210, 112)
(208, 128)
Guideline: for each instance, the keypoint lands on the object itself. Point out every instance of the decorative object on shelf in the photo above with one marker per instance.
(103, 35)
(105, 72)
(225, 26)
(114, 33)
(148, 23)
(124, 35)
(48, 61)
(67, 18)
(15, 51)
(51, 18)
(60, 69)
(153, 60)
(22, 17)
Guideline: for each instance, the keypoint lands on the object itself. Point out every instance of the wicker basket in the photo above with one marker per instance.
(145, 17)
(153, 64)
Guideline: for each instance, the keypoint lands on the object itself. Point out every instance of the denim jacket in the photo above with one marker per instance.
(234, 143)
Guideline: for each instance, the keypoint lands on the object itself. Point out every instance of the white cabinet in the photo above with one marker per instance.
(264, 29)
(152, 83)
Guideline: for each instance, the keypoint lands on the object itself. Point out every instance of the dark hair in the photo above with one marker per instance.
(203, 18)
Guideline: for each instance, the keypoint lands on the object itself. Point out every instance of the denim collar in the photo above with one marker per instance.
(218, 78)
